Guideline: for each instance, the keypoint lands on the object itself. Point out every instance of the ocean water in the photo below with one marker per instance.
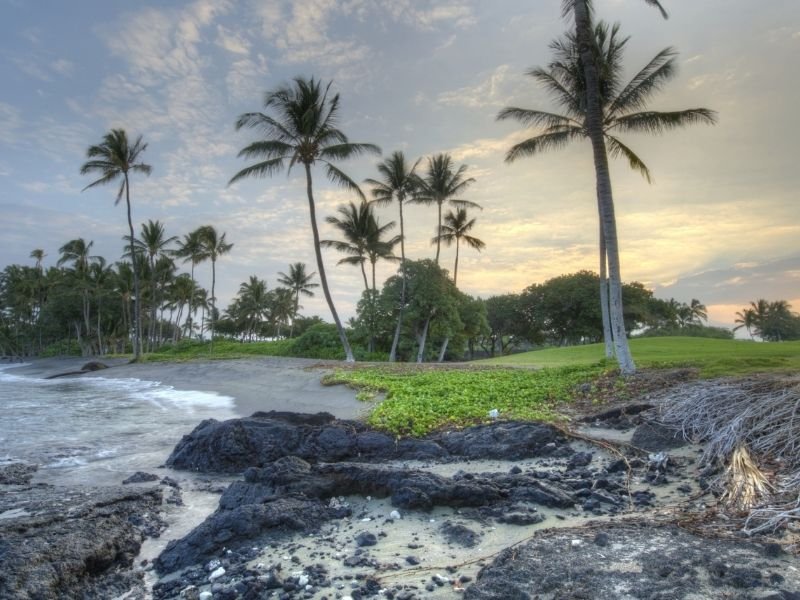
(95, 430)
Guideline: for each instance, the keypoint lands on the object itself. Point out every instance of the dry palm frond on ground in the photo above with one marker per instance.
(742, 423)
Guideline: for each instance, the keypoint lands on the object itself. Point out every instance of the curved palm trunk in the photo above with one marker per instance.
(438, 231)
(608, 339)
(190, 312)
(137, 316)
(348, 352)
(396, 340)
(213, 298)
(594, 127)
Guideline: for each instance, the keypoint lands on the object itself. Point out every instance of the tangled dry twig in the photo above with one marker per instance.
(743, 422)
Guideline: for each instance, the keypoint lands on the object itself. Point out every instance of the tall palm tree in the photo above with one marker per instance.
(456, 227)
(698, 311)
(191, 250)
(304, 130)
(254, 303)
(77, 252)
(38, 254)
(442, 184)
(746, 318)
(399, 182)
(618, 108)
(114, 158)
(153, 243)
(299, 282)
(214, 246)
(363, 238)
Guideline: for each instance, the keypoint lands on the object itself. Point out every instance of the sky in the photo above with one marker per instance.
(720, 222)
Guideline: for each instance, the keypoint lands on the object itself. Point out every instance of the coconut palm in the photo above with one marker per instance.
(362, 237)
(254, 303)
(442, 184)
(115, 158)
(77, 252)
(38, 255)
(214, 246)
(698, 311)
(299, 282)
(192, 250)
(456, 228)
(399, 183)
(619, 108)
(153, 243)
(303, 130)
(745, 318)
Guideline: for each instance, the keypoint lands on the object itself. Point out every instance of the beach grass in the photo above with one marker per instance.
(712, 357)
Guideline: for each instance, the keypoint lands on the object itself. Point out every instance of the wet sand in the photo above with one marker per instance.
(256, 384)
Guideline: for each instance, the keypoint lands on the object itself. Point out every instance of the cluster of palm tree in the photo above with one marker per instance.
(771, 321)
(300, 127)
(258, 312)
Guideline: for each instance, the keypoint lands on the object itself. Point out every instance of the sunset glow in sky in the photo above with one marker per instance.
(721, 222)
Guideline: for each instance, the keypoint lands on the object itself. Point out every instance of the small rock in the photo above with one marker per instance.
(601, 539)
(366, 538)
(395, 515)
(412, 560)
(205, 595)
(140, 477)
(216, 574)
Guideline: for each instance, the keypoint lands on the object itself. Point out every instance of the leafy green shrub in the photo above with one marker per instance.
(62, 348)
(319, 341)
(420, 401)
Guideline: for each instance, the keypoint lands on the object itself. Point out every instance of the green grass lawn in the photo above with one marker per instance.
(712, 357)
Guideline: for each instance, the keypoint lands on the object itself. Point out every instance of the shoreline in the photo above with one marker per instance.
(255, 384)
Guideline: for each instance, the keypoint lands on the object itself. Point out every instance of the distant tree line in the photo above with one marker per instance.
(771, 321)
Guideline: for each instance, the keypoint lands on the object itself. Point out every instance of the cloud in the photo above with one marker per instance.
(489, 92)
(10, 122)
(232, 42)
(62, 66)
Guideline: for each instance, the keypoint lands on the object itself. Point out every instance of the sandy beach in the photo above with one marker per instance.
(257, 384)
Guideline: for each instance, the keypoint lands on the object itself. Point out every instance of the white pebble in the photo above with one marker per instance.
(576, 543)
(432, 521)
(395, 515)
(302, 581)
(217, 574)
(366, 520)
(205, 595)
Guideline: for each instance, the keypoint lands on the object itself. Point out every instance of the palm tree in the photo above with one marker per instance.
(441, 184)
(399, 183)
(153, 243)
(585, 79)
(115, 158)
(191, 250)
(698, 311)
(214, 246)
(354, 223)
(746, 318)
(303, 131)
(254, 303)
(300, 283)
(77, 252)
(456, 228)
(38, 254)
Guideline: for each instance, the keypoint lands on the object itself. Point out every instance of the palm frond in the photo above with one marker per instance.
(267, 149)
(349, 150)
(464, 203)
(534, 117)
(616, 148)
(262, 169)
(645, 83)
(565, 95)
(542, 143)
(655, 122)
(340, 178)
(107, 178)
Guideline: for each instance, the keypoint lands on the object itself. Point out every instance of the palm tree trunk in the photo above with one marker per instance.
(608, 339)
(364, 275)
(396, 340)
(421, 351)
(296, 308)
(438, 231)
(594, 127)
(443, 349)
(455, 268)
(137, 327)
(213, 298)
(348, 352)
(152, 337)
